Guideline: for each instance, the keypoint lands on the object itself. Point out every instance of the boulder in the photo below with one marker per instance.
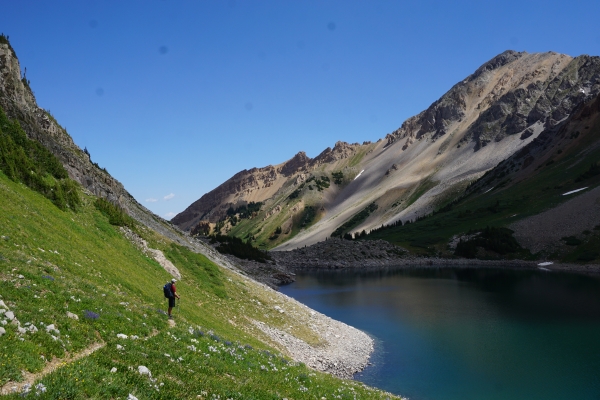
(144, 370)
(72, 316)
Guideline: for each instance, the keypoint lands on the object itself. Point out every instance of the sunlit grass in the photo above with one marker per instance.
(53, 262)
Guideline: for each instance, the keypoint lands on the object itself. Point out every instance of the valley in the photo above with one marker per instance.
(501, 171)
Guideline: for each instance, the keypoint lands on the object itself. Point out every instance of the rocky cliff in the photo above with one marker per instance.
(18, 101)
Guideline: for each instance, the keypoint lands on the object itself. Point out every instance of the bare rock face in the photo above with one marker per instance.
(547, 98)
(394, 167)
(295, 164)
(340, 151)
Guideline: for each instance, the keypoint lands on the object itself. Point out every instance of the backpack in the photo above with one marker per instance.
(167, 290)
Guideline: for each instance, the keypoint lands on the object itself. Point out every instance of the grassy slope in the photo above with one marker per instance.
(78, 262)
(532, 195)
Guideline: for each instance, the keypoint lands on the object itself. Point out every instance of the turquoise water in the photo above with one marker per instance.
(469, 333)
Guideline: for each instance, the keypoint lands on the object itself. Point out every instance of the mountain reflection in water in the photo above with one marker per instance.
(469, 333)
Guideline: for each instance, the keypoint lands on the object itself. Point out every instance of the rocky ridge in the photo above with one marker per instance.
(258, 184)
(482, 120)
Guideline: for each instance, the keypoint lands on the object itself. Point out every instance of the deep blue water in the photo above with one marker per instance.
(469, 333)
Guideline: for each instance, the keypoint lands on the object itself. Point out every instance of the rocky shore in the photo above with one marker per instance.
(342, 351)
(336, 253)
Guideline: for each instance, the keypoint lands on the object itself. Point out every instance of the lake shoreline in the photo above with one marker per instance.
(339, 254)
(453, 263)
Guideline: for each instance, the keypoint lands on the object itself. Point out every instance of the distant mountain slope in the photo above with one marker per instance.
(429, 161)
(547, 193)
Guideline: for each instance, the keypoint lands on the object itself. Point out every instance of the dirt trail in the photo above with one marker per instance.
(56, 363)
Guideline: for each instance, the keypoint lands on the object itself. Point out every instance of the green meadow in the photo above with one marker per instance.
(54, 262)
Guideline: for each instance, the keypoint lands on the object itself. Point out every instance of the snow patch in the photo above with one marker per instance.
(574, 191)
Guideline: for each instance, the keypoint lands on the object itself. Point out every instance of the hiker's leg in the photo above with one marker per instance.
(170, 309)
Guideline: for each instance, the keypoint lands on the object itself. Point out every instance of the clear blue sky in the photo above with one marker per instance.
(174, 97)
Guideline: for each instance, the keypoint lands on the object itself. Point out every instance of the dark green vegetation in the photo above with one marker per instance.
(271, 228)
(4, 40)
(27, 161)
(354, 221)
(497, 240)
(590, 173)
(338, 177)
(321, 183)
(236, 215)
(116, 216)
(512, 197)
(307, 217)
(240, 249)
(276, 233)
(296, 193)
(245, 211)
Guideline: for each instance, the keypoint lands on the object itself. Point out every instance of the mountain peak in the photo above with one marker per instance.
(498, 61)
(296, 163)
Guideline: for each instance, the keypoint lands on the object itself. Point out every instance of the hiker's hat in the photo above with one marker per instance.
(173, 280)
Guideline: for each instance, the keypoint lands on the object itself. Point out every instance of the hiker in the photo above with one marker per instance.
(173, 295)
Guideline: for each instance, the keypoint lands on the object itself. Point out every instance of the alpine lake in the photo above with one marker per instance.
(468, 333)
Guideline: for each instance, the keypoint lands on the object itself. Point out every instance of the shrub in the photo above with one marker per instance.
(116, 216)
(590, 173)
(338, 177)
(238, 248)
(27, 161)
